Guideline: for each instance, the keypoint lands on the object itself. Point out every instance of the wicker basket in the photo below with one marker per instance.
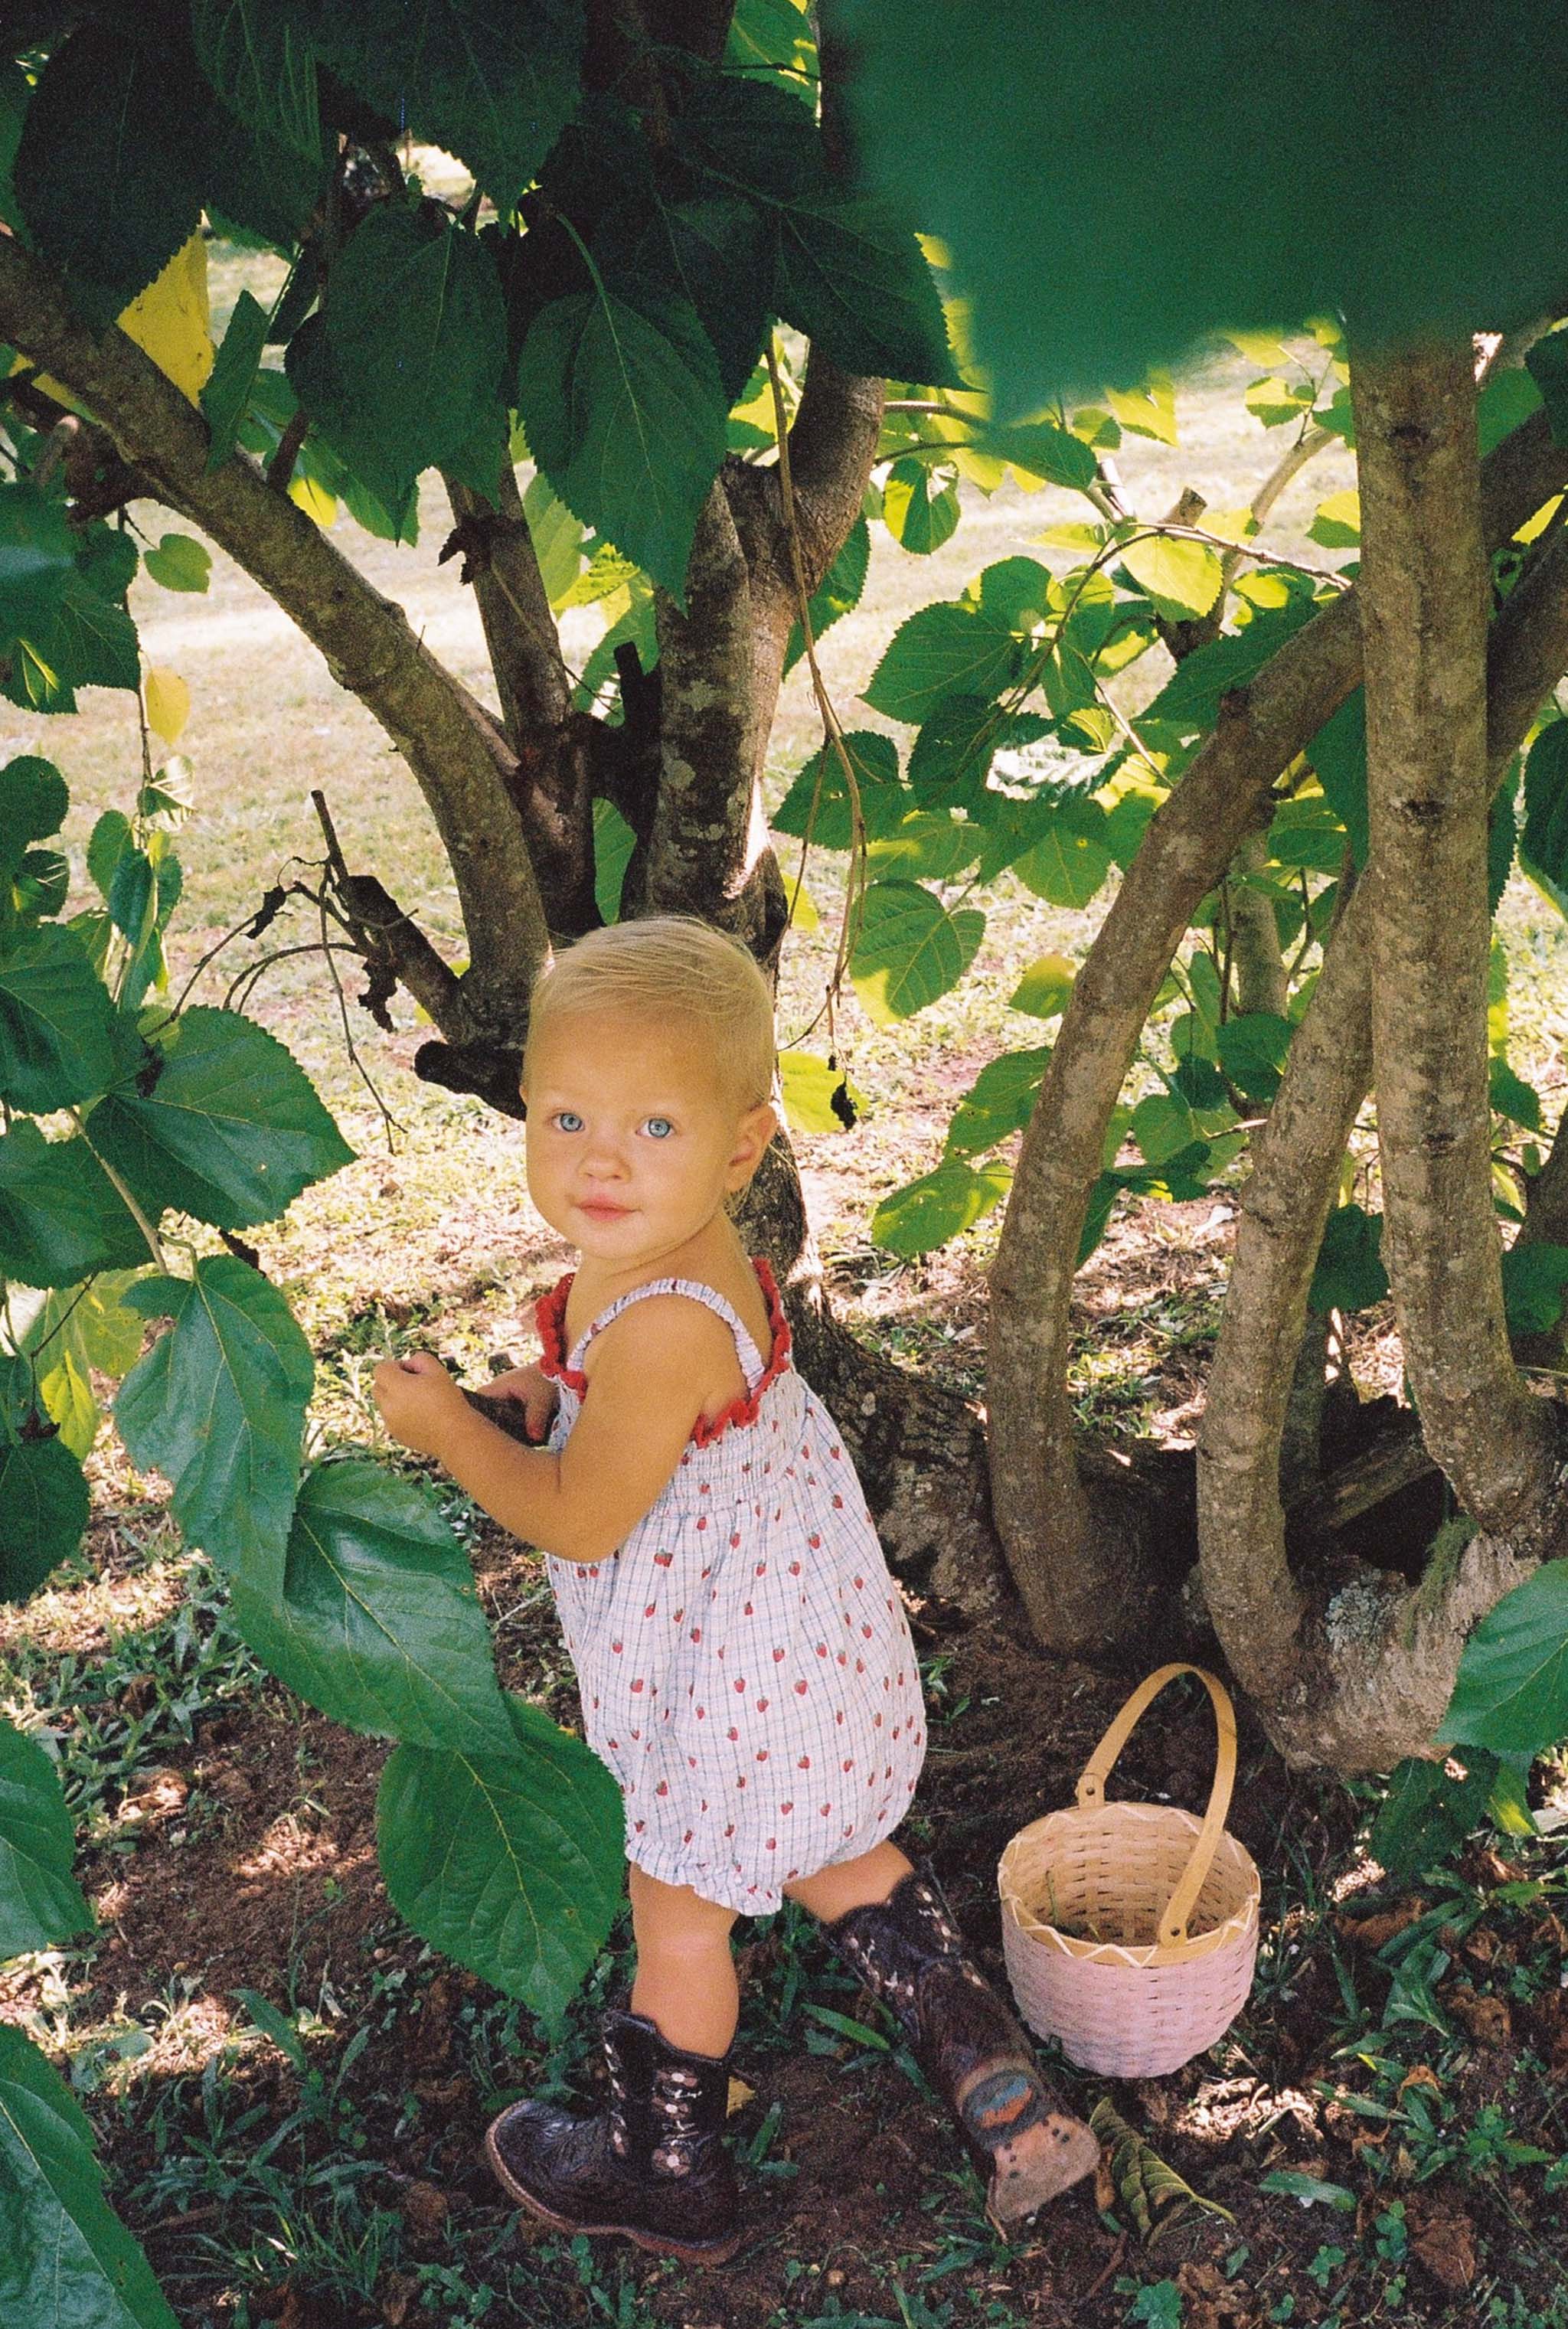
(1131, 1930)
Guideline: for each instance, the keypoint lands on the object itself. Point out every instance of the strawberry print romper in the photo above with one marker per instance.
(745, 1663)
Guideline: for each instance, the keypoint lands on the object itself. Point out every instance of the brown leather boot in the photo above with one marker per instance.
(652, 2164)
(909, 1951)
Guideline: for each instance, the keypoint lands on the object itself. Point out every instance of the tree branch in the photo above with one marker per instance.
(531, 675)
(1079, 1596)
(457, 753)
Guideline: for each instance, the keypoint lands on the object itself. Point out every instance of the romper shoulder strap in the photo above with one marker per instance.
(753, 1366)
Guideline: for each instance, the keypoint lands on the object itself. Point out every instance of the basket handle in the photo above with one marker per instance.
(1172, 1923)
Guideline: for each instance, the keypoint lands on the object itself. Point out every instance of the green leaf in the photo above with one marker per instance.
(1307, 834)
(884, 801)
(1547, 363)
(37, 560)
(1311, 2191)
(1038, 448)
(69, 1334)
(1000, 1100)
(41, 1902)
(621, 395)
(110, 837)
(1189, 702)
(60, 1218)
(1338, 754)
(283, 2033)
(43, 1509)
(91, 643)
(818, 1098)
(1533, 1280)
(511, 1864)
(1089, 256)
(1183, 578)
(1511, 1693)
(1349, 1273)
(838, 594)
(231, 1131)
(1427, 1813)
(923, 847)
(1163, 1125)
(66, 2261)
(928, 1212)
(1338, 523)
(950, 759)
(946, 649)
(1511, 1096)
(55, 1021)
(915, 516)
(228, 387)
(108, 170)
(1543, 842)
(263, 66)
(493, 85)
(557, 537)
(180, 562)
(910, 949)
(377, 1621)
(218, 1406)
(719, 252)
(32, 805)
(402, 369)
(775, 37)
(613, 842)
(852, 277)
(1253, 1050)
(1147, 410)
(1274, 401)
(1067, 863)
(1151, 2192)
(43, 881)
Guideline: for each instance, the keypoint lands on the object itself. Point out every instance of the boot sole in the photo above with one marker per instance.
(698, 2252)
(1038, 2164)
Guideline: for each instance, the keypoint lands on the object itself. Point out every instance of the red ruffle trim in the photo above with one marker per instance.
(550, 1315)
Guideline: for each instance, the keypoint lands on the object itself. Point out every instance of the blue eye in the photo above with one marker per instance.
(568, 1120)
(658, 1127)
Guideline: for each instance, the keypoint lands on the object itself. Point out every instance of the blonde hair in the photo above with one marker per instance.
(672, 965)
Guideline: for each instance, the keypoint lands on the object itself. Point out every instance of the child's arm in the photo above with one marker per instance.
(653, 1373)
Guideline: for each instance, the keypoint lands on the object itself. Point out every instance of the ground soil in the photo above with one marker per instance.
(256, 1851)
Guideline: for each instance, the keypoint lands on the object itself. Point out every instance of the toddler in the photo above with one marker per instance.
(745, 1664)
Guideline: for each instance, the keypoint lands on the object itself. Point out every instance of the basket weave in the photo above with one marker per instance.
(1131, 1930)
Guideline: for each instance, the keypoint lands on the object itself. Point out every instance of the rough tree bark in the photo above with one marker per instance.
(1347, 1664)
(1091, 1589)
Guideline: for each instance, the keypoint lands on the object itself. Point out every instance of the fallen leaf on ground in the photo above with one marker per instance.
(1488, 2019)
(1446, 2248)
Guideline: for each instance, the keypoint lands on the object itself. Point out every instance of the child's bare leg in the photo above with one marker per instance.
(685, 1975)
(850, 1883)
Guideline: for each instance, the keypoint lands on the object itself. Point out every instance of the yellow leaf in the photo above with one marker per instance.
(168, 702)
(313, 500)
(168, 320)
(741, 2095)
(803, 913)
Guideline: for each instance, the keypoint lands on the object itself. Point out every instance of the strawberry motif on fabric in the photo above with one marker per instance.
(746, 1667)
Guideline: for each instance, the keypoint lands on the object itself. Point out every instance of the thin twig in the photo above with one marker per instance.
(832, 730)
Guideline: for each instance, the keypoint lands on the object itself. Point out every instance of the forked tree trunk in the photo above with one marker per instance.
(1088, 1589)
(1347, 1663)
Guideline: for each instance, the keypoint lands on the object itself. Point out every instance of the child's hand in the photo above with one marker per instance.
(417, 1400)
(533, 1391)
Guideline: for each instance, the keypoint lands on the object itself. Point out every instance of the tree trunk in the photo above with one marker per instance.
(1348, 1664)
(1258, 963)
(1423, 601)
(1086, 1591)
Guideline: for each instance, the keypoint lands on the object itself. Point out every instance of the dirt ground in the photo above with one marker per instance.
(253, 1868)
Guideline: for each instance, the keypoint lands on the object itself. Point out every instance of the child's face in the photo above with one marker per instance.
(633, 1141)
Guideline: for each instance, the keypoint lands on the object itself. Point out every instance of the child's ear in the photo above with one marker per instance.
(755, 1130)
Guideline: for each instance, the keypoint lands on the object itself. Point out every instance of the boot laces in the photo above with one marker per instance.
(674, 2100)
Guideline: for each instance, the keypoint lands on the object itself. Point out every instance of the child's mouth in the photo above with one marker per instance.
(602, 1210)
